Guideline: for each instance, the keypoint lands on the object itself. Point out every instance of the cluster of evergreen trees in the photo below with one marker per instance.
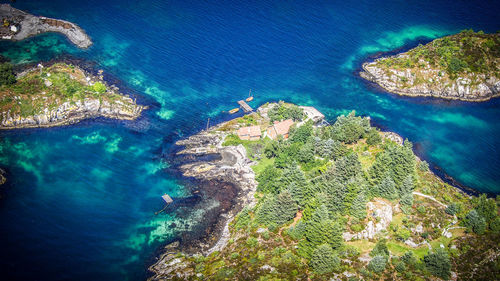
(317, 172)
(314, 171)
(7, 76)
(483, 217)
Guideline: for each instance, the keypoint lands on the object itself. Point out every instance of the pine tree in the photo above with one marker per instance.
(285, 208)
(292, 173)
(315, 226)
(275, 211)
(475, 222)
(486, 208)
(269, 180)
(324, 260)
(298, 193)
(336, 193)
(358, 207)
(438, 263)
(407, 186)
(348, 167)
(378, 263)
(402, 162)
(379, 169)
(306, 153)
(387, 188)
(406, 202)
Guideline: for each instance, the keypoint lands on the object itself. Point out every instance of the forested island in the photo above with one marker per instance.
(464, 66)
(58, 94)
(343, 201)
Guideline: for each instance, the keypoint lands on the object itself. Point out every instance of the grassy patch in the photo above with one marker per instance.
(363, 246)
(262, 164)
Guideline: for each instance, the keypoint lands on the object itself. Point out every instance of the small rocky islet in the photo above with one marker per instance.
(463, 66)
(59, 94)
(322, 202)
(18, 25)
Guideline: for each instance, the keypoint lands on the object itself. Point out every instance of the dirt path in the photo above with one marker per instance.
(429, 197)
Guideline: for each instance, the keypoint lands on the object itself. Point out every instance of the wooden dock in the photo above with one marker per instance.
(245, 106)
(167, 198)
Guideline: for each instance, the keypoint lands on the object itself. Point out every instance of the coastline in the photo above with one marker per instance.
(69, 113)
(26, 25)
(368, 76)
(233, 167)
(196, 146)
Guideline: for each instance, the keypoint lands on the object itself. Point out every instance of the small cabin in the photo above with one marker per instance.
(279, 129)
(249, 133)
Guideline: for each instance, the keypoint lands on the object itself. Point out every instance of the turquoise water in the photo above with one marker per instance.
(80, 200)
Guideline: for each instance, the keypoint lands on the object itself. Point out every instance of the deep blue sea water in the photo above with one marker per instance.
(80, 200)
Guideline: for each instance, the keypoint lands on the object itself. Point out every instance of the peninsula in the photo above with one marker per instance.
(18, 25)
(58, 94)
(464, 66)
(316, 201)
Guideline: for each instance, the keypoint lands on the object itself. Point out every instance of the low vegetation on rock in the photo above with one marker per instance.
(462, 66)
(42, 96)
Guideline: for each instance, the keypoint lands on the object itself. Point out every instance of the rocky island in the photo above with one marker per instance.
(18, 25)
(464, 66)
(319, 202)
(58, 94)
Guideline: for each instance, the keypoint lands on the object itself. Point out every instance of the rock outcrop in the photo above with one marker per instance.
(381, 211)
(23, 25)
(467, 87)
(70, 113)
(3, 179)
(207, 160)
(462, 66)
(53, 104)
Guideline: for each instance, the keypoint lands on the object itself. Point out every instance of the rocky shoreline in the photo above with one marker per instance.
(462, 66)
(68, 114)
(23, 25)
(71, 112)
(204, 158)
(463, 89)
(228, 168)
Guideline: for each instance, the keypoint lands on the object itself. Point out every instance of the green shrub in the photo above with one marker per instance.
(409, 258)
(7, 76)
(324, 260)
(99, 87)
(380, 248)
(453, 208)
(423, 166)
(495, 225)
(232, 140)
(438, 263)
(378, 263)
(400, 267)
(475, 222)
(282, 112)
(373, 137)
(403, 234)
(252, 242)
